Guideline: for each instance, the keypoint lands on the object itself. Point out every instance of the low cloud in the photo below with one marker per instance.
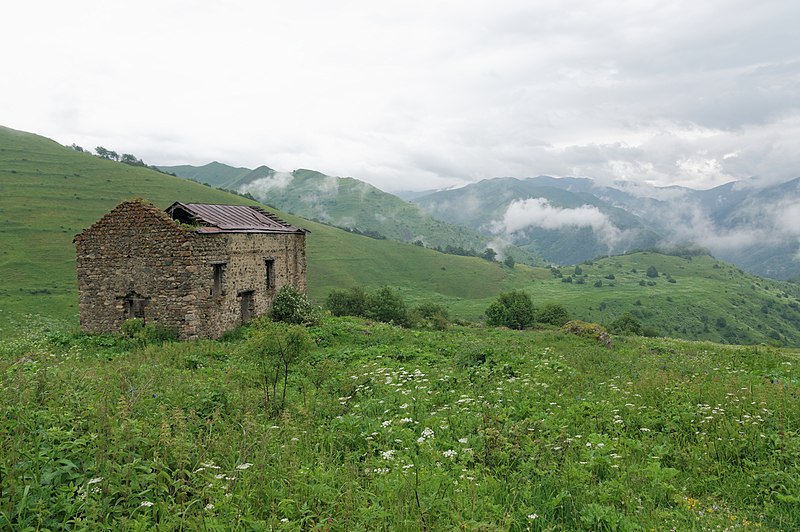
(538, 212)
(260, 188)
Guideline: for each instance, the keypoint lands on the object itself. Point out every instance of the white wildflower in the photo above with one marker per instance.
(146, 504)
(244, 465)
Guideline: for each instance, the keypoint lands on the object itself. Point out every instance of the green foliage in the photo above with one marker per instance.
(387, 306)
(383, 304)
(431, 315)
(352, 302)
(589, 330)
(272, 349)
(141, 333)
(511, 309)
(652, 271)
(626, 324)
(386, 428)
(509, 261)
(292, 306)
(553, 314)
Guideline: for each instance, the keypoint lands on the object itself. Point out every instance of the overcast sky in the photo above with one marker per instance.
(417, 94)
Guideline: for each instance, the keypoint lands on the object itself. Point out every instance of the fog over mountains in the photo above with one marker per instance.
(757, 228)
(562, 220)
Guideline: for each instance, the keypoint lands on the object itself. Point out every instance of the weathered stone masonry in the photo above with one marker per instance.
(201, 280)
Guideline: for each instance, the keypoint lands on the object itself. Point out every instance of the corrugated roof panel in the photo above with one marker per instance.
(235, 218)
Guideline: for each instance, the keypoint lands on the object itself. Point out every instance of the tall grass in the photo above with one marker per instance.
(388, 428)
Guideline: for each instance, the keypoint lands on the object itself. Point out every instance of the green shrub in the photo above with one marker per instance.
(652, 272)
(350, 302)
(431, 315)
(142, 333)
(292, 306)
(511, 309)
(588, 330)
(626, 324)
(387, 306)
(553, 314)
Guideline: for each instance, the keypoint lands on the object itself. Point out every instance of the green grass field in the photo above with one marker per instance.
(391, 429)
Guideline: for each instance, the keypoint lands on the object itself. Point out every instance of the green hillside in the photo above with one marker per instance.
(215, 174)
(348, 203)
(50, 193)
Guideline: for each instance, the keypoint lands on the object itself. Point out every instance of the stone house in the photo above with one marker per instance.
(199, 269)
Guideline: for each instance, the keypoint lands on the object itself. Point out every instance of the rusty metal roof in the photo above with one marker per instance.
(229, 218)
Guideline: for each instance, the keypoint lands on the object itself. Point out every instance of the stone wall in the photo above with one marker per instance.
(136, 249)
(245, 270)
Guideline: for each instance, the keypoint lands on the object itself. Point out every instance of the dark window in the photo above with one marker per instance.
(134, 307)
(219, 278)
(269, 265)
(248, 307)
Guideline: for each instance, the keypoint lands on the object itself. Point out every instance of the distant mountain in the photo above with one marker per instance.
(568, 220)
(356, 206)
(564, 224)
(216, 174)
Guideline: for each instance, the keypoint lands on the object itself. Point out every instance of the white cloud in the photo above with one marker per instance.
(418, 95)
(261, 188)
(538, 212)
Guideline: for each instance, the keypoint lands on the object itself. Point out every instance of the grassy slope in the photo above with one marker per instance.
(50, 193)
(215, 174)
(390, 429)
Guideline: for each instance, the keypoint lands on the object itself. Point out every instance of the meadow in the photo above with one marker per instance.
(398, 429)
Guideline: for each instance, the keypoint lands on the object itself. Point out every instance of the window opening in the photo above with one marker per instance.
(269, 265)
(134, 306)
(247, 305)
(219, 278)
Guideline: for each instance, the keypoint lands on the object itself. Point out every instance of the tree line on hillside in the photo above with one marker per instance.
(111, 155)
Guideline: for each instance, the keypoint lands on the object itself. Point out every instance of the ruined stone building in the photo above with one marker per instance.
(199, 269)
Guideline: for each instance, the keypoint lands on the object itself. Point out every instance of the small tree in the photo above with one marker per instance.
(652, 272)
(489, 254)
(553, 314)
(272, 349)
(350, 302)
(386, 305)
(509, 261)
(627, 325)
(511, 309)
